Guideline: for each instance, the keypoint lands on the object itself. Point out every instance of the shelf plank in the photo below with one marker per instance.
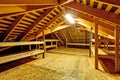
(17, 56)
(5, 44)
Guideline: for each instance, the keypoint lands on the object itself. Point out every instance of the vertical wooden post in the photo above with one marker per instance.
(44, 45)
(107, 43)
(90, 42)
(30, 47)
(22, 48)
(66, 42)
(52, 43)
(56, 45)
(85, 36)
(100, 42)
(96, 44)
(117, 55)
(36, 44)
(39, 44)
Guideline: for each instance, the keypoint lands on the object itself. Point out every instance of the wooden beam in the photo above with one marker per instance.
(34, 24)
(12, 27)
(57, 25)
(76, 32)
(63, 35)
(29, 2)
(90, 42)
(44, 45)
(59, 38)
(79, 14)
(90, 18)
(96, 44)
(116, 2)
(106, 30)
(24, 12)
(94, 11)
(50, 22)
(69, 34)
(117, 54)
(64, 1)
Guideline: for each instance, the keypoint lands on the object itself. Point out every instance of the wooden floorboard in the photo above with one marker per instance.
(59, 64)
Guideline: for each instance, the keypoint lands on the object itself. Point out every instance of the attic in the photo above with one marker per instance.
(36, 35)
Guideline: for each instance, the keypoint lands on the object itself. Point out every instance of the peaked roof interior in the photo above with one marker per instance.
(26, 20)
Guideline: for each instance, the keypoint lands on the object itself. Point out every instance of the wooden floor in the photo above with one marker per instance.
(59, 64)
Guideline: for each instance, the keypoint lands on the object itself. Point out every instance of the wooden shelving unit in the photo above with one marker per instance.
(20, 55)
(53, 43)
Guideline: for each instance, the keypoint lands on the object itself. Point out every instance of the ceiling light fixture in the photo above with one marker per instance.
(69, 18)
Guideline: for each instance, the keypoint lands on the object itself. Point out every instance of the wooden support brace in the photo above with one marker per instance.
(90, 42)
(96, 44)
(117, 55)
(44, 44)
(30, 47)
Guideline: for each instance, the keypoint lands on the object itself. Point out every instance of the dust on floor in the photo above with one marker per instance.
(59, 64)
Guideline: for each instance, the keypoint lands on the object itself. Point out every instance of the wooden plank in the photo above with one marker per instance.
(64, 1)
(117, 55)
(51, 46)
(78, 44)
(17, 56)
(94, 11)
(99, 5)
(5, 44)
(96, 44)
(108, 8)
(51, 40)
(28, 2)
(91, 3)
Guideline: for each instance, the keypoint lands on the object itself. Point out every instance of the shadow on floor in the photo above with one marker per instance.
(9, 65)
(108, 65)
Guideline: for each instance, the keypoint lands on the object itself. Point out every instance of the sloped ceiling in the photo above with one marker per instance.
(24, 21)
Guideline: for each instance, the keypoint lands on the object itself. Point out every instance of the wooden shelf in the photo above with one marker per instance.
(17, 56)
(79, 44)
(51, 40)
(51, 46)
(102, 54)
(5, 44)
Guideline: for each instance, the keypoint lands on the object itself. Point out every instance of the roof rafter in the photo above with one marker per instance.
(29, 2)
(59, 38)
(12, 27)
(116, 2)
(94, 11)
(90, 19)
(35, 23)
(50, 22)
(25, 12)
